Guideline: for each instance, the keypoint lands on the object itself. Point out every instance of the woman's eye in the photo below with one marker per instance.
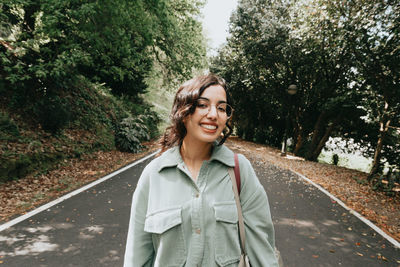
(200, 105)
(221, 108)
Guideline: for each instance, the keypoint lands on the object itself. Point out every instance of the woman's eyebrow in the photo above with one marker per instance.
(205, 98)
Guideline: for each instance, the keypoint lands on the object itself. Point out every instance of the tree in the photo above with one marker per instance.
(271, 47)
(52, 49)
(108, 42)
(342, 55)
(373, 31)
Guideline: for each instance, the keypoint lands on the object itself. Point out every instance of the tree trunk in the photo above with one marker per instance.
(30, 11)
(324, 139)
(299, 144)
(298, 134)
(384, 127)
(316, 135)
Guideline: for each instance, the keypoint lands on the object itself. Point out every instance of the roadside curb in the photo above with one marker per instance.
(394, 242)
(71, 194)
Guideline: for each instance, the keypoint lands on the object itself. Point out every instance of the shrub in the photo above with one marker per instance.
(8, 129)
(53, 113)
(335, 159)
(131, 132)
(388, 183)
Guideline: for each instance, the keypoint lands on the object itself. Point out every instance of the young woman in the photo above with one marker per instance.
(183, 209)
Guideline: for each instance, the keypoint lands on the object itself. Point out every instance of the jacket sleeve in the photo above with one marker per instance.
(139, 249)
(259, 230)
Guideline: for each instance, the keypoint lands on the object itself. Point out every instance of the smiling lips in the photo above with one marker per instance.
(211, 128)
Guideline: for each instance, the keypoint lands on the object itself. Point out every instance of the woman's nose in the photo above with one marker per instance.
(212, 112)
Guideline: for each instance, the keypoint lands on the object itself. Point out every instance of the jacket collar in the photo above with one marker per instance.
(172, 157)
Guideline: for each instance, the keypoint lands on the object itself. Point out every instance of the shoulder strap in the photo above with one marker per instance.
(232, 175)
(237, 172)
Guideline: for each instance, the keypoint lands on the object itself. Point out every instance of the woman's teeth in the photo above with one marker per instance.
(208, 126)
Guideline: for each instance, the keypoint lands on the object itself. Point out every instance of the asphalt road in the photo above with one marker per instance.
(89, 229)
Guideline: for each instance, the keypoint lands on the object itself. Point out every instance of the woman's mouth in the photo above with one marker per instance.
(209, 128)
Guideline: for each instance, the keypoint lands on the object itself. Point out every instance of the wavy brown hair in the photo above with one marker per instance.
(185, 104)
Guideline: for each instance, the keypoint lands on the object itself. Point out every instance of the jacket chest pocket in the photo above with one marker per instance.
(227, 247)
(166, 229)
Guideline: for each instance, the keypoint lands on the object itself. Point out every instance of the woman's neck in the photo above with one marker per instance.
(195, 151)
(193, 154)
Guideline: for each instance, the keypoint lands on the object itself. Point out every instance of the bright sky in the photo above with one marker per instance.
(215, 22)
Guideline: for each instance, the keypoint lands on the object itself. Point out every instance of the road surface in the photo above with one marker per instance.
(90, 228)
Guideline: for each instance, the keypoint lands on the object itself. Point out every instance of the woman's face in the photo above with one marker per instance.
(206, 125)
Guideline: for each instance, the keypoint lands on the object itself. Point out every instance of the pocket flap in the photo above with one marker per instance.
(161, 221)
(226, 212)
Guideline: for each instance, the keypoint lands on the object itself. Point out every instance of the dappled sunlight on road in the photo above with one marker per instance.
(35, 241)
(23, 245)
(90, 232)
(295, 223)
(111, 256)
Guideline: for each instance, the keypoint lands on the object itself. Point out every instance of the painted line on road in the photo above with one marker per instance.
(71, 194)
(355, 213)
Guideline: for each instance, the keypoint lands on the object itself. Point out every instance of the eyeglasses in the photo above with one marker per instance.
(224, 110)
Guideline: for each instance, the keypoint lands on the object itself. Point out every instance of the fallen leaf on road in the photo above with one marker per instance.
(382, 258)
(359, 254)
(315, 256)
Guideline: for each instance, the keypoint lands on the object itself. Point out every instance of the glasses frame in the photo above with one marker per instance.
(196, 105)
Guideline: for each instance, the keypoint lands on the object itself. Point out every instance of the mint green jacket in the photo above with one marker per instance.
(176, 221)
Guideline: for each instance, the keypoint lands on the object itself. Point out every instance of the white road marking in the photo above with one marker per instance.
(69, 195)
(355, 213)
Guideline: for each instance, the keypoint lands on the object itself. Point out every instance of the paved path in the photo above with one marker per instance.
(89, 229)
(313, 230)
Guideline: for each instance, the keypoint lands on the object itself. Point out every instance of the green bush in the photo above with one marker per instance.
(335, 159)
(387, 182)
(8, 129)
(53, 113)
(131, 132)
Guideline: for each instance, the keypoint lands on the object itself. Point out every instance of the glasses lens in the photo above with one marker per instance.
(228, 110)
(225, 109)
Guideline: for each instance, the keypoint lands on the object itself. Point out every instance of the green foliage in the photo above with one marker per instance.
(52, 42)
(131, 132)
(84, 66)
(387, 182)
(344, 61)
(53, 113)
(8, 129)
(14, 166)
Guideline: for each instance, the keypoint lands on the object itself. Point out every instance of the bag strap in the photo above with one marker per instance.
(235, 179)
(237, 172)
